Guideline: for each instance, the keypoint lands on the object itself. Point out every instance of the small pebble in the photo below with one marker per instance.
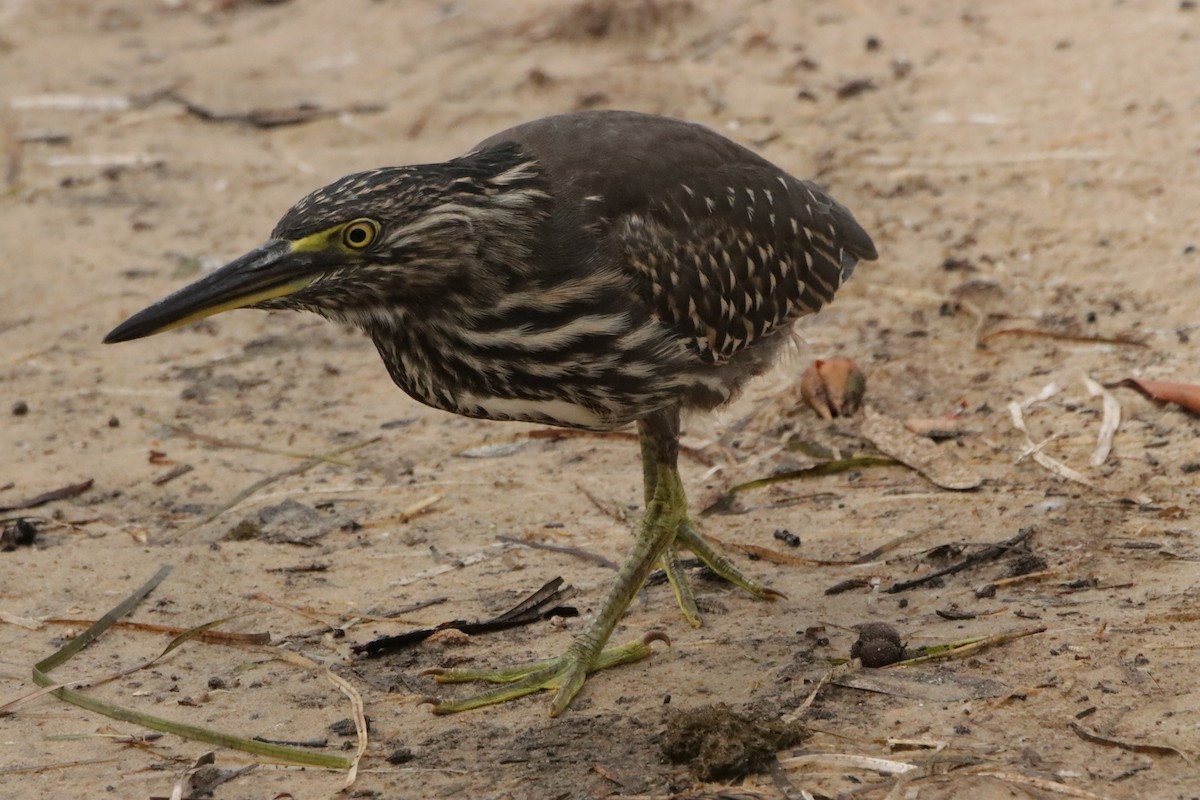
(401, 755)
(787, 537)
(20, 408)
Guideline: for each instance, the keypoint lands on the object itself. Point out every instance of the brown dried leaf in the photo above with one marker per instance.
(938, 464)
(1182, 394)
(833, 388)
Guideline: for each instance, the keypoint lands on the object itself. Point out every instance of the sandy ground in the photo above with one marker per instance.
(1021, 165)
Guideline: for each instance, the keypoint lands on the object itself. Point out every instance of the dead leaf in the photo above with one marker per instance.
(833, 388)
(1182, 394)
(939, 464)
(930, 685)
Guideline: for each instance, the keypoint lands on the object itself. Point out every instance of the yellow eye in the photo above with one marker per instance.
(359, 234)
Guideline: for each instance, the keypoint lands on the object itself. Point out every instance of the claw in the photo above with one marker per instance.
(564, 674)
(656, 636)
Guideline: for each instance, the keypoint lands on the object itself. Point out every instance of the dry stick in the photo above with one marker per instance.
(299, 469)
(1040, 783)
(50, 496)
(217, 441)
(222, 637)
(1136, 747)
(1064, 337)
(177, 471)
(964, 647)
(611, 509)
(572, 433)
(17, 770)
(867, 558)
(987, 554)
(595, 558)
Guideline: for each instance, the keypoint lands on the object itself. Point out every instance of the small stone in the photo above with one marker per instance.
(20, 408)
(401, 755)
(346, 727)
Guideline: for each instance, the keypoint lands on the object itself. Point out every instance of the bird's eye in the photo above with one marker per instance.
(359, 234)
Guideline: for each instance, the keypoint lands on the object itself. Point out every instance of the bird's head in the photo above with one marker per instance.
(368, 243)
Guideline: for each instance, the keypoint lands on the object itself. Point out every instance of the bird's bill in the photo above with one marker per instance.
(273, 270)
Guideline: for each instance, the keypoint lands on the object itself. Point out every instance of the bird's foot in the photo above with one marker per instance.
(687, 537)
(564, 674)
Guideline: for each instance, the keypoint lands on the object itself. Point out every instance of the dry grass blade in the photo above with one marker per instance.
(775, 556)
(1135, 747)
(1061, 337)
(1109, 424)
(50, 496)
(205, 635)
(1035, 450)
(193, 732)
(356, 706)
(299, 469)
(840, 762)
(725, 499)
(938, 464)
(182, 781)
(1041, 783)
(18, 770)
(963, 647)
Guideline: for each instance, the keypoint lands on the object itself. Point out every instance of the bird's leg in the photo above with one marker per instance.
(668, 562)
(689, 538)
(665, 514)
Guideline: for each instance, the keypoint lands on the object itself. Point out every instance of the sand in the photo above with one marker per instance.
(1023, 166)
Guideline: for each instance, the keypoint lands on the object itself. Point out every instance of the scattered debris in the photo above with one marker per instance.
(787, 537)
(939, 464)
(932, 685)
(833, 388)
(854, 87)
(299, 469)
(272, 117)
(939, 429)
(72, 490)
(1136, 747)
(878, 645)
(1035, 450)
(840, 762)
(501, 450)
(1108, 426)
(594, 558)
(177, 471)
(1018, 543)
(725, 501)
(1128, 341)
(1186, 395)
(848, 585)
(18, 532)
(537, 606)
(720, 744)
(963, 647)
(989, 589)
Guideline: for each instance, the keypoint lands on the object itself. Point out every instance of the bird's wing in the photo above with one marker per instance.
(727, 257)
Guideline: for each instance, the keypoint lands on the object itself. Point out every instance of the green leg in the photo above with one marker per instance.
(687, 537)
(664, 526)
(665, 513)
